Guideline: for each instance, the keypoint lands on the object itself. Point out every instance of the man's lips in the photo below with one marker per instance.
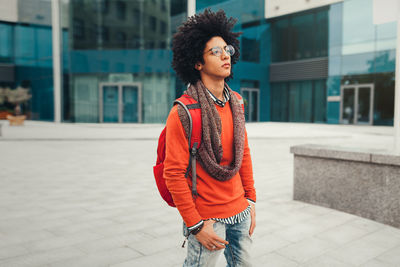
(226, 65)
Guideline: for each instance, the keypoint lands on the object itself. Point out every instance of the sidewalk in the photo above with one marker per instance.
(83, 195)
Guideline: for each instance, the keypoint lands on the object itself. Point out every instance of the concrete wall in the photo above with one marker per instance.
(9, 10)
(364, 183)
(35, 12)
(276, 8)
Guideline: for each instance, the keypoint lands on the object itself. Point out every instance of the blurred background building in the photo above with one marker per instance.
(316, 61)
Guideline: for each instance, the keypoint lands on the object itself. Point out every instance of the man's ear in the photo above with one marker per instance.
(198, 66)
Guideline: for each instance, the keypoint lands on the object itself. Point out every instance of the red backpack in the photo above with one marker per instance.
(193, 111)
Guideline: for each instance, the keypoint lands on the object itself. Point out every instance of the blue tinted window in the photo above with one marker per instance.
(44, 47)
(25, 45)
(300, 36)
(358, 27)
(6, 43)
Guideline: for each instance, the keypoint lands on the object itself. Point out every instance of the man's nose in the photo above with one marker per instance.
(224, 54)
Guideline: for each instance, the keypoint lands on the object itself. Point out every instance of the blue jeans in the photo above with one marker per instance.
(236, 252)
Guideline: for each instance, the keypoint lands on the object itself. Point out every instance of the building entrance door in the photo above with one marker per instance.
(357, 102)
(120, 102)
(250, 98)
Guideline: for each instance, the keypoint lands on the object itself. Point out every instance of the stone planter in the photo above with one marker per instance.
(16, 120)
(363, 183)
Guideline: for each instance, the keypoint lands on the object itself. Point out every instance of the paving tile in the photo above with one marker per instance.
(299, 231)
(115, 241)
(391, 256)
(332, 219)
(149, 247)
(274, 259)
(342, 234)
(357, 252)
(12, 251)
(99, 259)
(120, 228)
(326, 261)
(385, 238)
(60, 242)
(378, 263)
(315, 210)
(41, 258)
(305, 250)
(22, 236)
(79, 227)
(268, 243)
(366, 224)
(266, 227)
(167, 258)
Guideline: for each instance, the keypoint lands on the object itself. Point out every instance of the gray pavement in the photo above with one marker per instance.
(83, 195)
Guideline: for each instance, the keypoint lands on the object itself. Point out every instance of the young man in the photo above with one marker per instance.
(222, 215)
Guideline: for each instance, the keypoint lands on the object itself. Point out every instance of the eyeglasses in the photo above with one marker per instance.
(217, 50)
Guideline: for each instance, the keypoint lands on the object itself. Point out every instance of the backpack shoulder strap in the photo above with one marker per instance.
(193, 109)
(240, 98)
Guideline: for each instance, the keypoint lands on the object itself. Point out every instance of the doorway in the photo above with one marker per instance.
(120, 102)
(250, 98)
(356, 105)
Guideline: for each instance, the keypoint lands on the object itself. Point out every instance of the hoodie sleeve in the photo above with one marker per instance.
(246, 172)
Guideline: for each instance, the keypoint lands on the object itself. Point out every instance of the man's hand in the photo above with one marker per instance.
(253, 218)
(208, 238)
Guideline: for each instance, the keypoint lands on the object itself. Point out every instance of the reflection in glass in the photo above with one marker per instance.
(363, 109)
(110, 103)
(26, 47)
(130, 103)
(306, 101)
(319, 111)
(348, 106)
(302, 101)
(254, 106)
(300, 36)
(120, 42)
(281, 44)
(6, 43)
(122, 24)
(250, 50)
(302, 33)
(354, 17)
(294, 102)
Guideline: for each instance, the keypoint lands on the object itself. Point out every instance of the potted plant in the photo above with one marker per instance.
(4, 105)
(17, 97)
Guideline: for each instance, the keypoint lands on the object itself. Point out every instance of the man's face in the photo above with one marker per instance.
(216, 67)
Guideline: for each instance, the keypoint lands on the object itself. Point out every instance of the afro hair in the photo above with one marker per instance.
(190, 41)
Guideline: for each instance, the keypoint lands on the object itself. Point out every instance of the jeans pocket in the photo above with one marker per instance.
(185, 230)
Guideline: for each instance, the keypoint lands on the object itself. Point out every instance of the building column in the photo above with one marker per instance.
(55, 22)
(396, 119)
(191, 7)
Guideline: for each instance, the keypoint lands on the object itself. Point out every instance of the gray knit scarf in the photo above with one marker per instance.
(210, 152)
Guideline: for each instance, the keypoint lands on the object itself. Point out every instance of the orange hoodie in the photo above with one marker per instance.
(216, 199)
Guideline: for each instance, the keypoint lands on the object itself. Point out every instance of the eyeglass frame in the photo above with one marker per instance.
(220, 50)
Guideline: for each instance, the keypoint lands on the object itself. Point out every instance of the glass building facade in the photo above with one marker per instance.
(360, 85)
(295, 96)
(26, 59)
(250, 73)
(117, 65)
(329, 64)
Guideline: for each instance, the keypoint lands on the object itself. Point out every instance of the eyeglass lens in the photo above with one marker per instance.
(217, 51)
